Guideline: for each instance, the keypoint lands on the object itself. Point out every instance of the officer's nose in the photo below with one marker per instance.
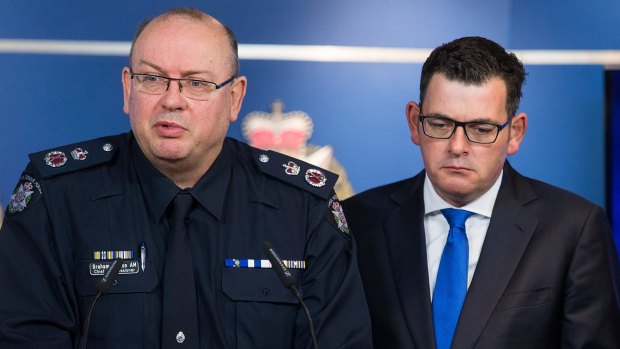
(173, 99)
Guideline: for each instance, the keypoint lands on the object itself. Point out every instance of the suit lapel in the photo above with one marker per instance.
(404, 234)
(509, 232)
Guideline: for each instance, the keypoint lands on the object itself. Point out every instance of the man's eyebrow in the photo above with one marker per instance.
(479, 120)
(152, 65)
(185, 73)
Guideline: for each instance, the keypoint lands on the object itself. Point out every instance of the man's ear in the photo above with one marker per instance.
(126, 80)
(412, 113)
(237, 93)
(518, 126)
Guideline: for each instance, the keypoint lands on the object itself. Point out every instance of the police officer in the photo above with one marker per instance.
(78, 208)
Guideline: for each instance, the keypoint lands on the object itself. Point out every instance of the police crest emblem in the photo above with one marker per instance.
(338, 218)
(27, 191)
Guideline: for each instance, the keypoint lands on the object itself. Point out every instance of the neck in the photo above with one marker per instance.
(185, 173)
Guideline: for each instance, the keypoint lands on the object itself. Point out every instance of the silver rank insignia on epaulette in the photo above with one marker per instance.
(57, 158)
(313, 176)
(55, 161)
(291, 168)
(314, 179)
(79, 154)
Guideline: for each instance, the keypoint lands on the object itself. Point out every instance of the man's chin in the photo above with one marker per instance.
(172, 155)
(456, 190)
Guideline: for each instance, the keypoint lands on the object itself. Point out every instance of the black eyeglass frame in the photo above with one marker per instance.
(169, 79)
(463, 124)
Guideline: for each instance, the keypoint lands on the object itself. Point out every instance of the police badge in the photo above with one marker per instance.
(27, 192)
(338, 218)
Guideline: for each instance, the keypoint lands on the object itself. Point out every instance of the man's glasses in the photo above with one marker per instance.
(190, 88)
(476, 132)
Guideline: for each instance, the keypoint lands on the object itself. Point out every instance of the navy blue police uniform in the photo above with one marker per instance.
(77, 208)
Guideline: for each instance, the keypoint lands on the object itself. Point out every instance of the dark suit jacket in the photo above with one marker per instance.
(544, 278)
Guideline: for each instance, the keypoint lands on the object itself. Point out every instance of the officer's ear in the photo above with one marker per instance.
(412, 112)
(126, 80)
(237, 92)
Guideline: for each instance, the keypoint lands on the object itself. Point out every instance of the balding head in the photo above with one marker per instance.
(194, 15)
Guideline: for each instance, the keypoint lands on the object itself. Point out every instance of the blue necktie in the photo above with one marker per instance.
(451, 284)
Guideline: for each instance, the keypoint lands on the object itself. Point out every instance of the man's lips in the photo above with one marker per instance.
(169, 129)
(456, 168)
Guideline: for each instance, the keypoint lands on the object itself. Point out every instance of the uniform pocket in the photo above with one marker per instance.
(255, 285)
(124, 313)
(131, 278)
(263, 311)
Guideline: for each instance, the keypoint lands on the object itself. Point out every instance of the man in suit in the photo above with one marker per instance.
(529, 265)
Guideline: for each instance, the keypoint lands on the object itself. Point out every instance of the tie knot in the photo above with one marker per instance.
(181, 205)
(456, 217)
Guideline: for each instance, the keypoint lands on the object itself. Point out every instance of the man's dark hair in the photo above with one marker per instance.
(195, 15)
(474, 61)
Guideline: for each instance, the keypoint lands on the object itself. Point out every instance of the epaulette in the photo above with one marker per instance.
(296, 172)
(73, 157)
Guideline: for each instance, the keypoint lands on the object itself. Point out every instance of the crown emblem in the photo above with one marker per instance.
(283, 132)
(288, 133)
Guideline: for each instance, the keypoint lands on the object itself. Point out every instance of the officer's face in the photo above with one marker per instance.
(177, 133)
(461, 171)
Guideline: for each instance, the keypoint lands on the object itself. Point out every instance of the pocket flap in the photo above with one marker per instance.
(524, 298)
(256, 285)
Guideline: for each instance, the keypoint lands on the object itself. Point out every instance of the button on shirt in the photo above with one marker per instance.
(436, 227)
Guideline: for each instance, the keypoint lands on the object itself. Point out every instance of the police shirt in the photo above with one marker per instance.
(70, 216)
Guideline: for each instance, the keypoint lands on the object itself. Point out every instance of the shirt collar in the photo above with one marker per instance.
(482, 205)
(211, 189)
(159, 190)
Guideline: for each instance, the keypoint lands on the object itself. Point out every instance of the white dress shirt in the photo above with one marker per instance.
(436, 227)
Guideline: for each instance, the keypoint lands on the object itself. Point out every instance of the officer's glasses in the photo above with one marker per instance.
(190, 88)
(476, 132)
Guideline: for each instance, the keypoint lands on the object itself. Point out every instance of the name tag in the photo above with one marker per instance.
(127, 267)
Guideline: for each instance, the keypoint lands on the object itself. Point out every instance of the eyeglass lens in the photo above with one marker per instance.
(190, 88)
(474, 131)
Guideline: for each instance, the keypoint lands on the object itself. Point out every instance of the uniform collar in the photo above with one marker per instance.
(159, 190)
(211, 189)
